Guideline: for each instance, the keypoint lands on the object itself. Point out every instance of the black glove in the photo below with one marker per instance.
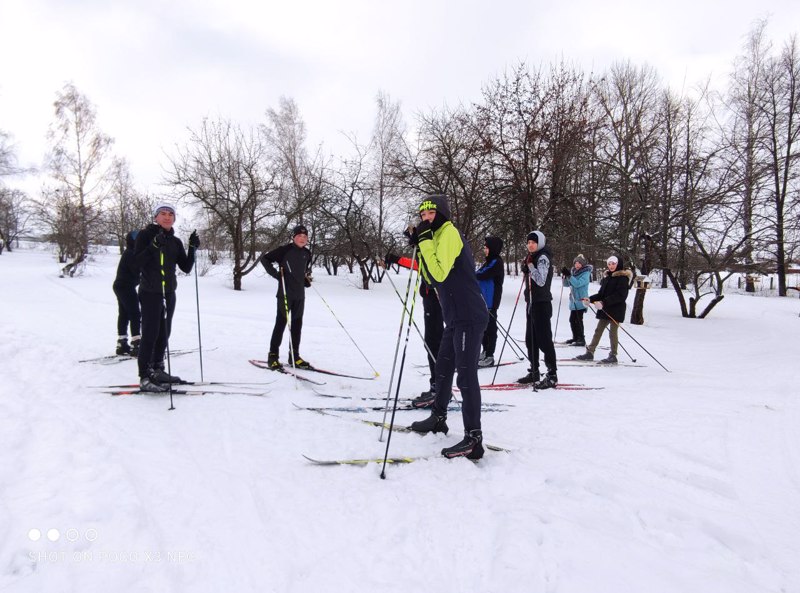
(194, 240)
(390, 259)
(565, 272)
(424, 231)
(411, 234)
(308, 279)
(159, 240)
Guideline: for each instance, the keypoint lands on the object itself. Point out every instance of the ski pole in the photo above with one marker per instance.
(166, 321)
(199, 335)
(399, 335)
(558, 314)
(416, 327)
(517, 350)
(399, 381)
(289, 326)
(507, 336)
(377, 374)
(619, 325)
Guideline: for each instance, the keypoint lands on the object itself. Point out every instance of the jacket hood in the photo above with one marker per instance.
(436, 202)
(539, 237)
(495, 245)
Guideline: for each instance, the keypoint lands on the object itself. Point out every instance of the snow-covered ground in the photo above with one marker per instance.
(686, 481)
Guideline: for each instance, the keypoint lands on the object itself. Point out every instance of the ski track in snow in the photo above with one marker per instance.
(662, 482)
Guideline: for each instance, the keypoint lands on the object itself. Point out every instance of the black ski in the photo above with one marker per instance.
(116, 358)
(262, 364)
(193, 383)
(485, 407)
(529, 386)
(385, 425)
(183, 392)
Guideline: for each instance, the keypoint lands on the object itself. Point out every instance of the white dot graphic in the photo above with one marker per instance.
(72, 534)
(34, 535)
(91, 534)
(53, 535)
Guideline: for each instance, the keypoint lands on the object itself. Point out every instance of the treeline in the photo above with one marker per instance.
(698, 185)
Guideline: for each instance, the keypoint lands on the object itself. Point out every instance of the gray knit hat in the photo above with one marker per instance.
(580, 260)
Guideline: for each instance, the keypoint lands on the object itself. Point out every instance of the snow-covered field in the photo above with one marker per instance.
(686, 481)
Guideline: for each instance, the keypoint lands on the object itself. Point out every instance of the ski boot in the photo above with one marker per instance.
(471, 447)
(586, 356)
(135, 346)
(123, 348)
(610, 359)
(425, 399)
(486, 362)
(147, 385)
(273, 362)
(531, 377)
(433, 423)
(549, 381)
(159, 375)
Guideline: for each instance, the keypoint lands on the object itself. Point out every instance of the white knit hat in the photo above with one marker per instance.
(164, 206)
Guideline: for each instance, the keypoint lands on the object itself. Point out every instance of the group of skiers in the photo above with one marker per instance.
(460, 307)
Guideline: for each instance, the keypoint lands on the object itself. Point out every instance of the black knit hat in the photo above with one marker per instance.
(300, 229)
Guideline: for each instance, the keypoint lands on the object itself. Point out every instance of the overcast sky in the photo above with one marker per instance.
(155, 67)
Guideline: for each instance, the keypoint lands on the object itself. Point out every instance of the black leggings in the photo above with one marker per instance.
(296, 308)
(128, 305)
(434, 327)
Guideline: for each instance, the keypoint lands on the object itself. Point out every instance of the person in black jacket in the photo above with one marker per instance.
(293, 272)
(610, 304)
(490, 278)
(448, 265)
(125, 284)
(537, 270)
(158, 252)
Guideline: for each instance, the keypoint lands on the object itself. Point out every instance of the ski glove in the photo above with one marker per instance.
(308, 279)
(565, 272)
(194, 240)
(411, 234)
(391, 259)
(424, 231)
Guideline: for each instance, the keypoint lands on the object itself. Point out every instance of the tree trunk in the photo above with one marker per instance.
(637, 313)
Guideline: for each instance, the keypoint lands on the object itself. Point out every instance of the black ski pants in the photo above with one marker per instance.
(128, 310)
(576, 324)
(459, 352)
(296, 308)
(489, 341)
(155, 328)
(434, 327)
(539, 336)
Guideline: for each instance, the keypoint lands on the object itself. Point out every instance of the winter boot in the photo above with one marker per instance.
(122, 346)
(135, 346)
(425, 399)
(610, 359)
(147, 385)
(273, 362)
(471, 447)
(579, 342)
(433, 423)
(531, 377)
(549, 382)
(488, 361)
(571, 341)
(586, 356)
(159, 375)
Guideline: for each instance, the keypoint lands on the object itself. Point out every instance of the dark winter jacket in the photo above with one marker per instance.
(149, 261)
(449, 266)
(579, 287)
(127, 270)
(613, 292)
(295, 263)
(538, 275)
(490, 275)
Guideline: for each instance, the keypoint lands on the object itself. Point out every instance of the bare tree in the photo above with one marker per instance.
(15, 216)
(78, 163)
(781, 112)
(128, 209)
(222, 169)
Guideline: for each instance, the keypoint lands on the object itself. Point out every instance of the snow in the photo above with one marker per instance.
(661, 482)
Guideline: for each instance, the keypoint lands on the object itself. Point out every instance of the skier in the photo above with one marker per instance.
(538, 276)
(490, 278)
(434, 326)
(293, 262)
(449, 266)
(158, 252)
(124, 286)
(578, 279)
(610, 304)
